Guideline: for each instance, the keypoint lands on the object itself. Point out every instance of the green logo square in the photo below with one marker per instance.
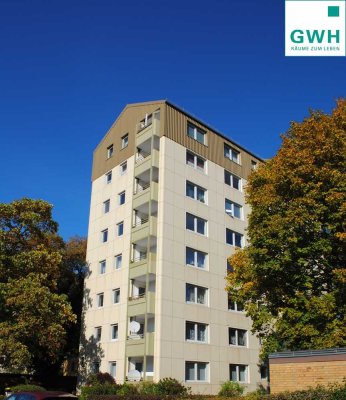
(333, 11)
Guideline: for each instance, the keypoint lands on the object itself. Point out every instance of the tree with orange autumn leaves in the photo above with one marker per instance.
(37, 274)
(292, 275)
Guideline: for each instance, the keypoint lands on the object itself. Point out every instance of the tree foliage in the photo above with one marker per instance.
(292, 275)
(33, 314)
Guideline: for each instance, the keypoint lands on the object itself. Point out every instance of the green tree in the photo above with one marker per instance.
(291, 277)
(33, 315)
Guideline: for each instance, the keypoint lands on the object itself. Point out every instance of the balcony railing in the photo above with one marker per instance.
(141, 157)
(140, 188)
(143, 124)
(141, 257)
(135, 336)
(140, 221)
(138, 297)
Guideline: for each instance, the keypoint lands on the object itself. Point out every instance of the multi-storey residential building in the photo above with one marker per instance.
(167, 210)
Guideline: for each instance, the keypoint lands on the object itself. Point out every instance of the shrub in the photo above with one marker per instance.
(98, 389)
(127, 390)
(27, 388)
(146, 388)
(231, 389)
(171, 387)
(100, 377)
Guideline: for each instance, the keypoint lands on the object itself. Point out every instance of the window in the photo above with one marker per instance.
(196, 133)
(264, 371)
(110, 150)
(232, 180)
(120, 228)
(108, 177)
(196, 294)
(114, 331)
(234, 238)
(95, 367)
(102, 267)
(195, 192)
(118, 260)
(253, 164)
(98, 333)
(106, 206)
(125, 141)
(104, 236)
(232, 153)
(123, 168)
(237, 337)
(195, 161)
(196, 332)
(113, 369)
(121, 197)
(100, 298)
(238, 373)
(229, 267)
(196, 258)
(235, 306)
(196, 224)
(196, 371)
(233, 209)
(116, 296)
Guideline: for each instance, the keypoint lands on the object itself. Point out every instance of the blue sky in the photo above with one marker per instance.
(67, 69)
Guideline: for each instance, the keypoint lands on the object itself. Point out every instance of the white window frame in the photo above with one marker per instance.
(196, 287)
(110, 151)
(106, 206)
(236, 335)
(114, 328)
(196, 130)
(196, 326)
(232, 154)
(121, 198)
(230, 211)
(234, 233)
(195, 192)
(116, 295)
(123, 168)
(195, 163)
(195, 258)
(195, 223)
(125, 141)
(233, 306)
(102, 267)
(112, 364)
(98, 334)
(104, 236)
(254, 165)
(118, 264)
(120, 224)
(95, 367)
(195, 371)
(231, 184)
(238, 373)
(100, 299)
(108, 176)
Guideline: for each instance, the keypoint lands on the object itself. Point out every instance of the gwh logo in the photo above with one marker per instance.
(315, 28)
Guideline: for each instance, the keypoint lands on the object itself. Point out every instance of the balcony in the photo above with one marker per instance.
(142, 304)
(143, 365)
(142, 264)
(147, 127)
(144, 162)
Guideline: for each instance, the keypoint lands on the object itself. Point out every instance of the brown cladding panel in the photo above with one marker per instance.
(126, 123)
(176, 129)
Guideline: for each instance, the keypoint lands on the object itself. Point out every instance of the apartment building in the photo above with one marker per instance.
(167, 210)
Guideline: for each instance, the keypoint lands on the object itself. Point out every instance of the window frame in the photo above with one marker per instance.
(233, 204)
(102, 267)
(233, 154)
(106, 206)
(232, 182)
(195, 258)
(237, 331)
(123, 168)
(195, 192)
(114, 329)
(196, 364)
(111, 365)
(108, 176)
(110, 151)
(116, 296)
(100, 299)
(196, 219)
(196, 130)
(195, 289)
(104, 235)
(124, 141)
(233, 236)
(196, 327)
(98, 334)
(237, 366)
(116, 258)
(236, 306)
(122, 198)
(120, 228)
(196, 157)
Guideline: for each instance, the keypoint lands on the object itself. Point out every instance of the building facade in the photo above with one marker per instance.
(167, 210)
